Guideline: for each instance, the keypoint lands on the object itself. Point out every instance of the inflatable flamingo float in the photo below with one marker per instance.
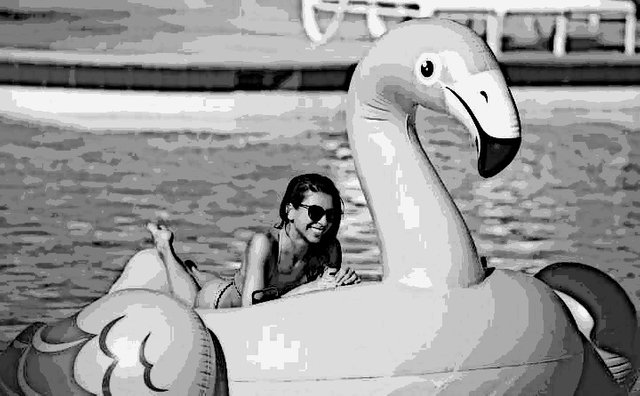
(439, 322)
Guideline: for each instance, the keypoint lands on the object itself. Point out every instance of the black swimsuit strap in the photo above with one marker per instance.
(275, 250)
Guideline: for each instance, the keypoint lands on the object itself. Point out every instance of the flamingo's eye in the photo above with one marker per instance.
(428, 68)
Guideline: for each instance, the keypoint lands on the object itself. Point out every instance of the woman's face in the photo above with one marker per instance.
(312, 231)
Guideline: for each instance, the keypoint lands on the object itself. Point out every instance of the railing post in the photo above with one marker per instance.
(495, 23)
(630, 33)
(593, 23)
(560, 38)
(375, 24)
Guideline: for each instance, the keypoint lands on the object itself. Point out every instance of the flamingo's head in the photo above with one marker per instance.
(444, 66)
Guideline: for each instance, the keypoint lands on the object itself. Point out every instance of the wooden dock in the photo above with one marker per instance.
(160, 73)
(254, 45)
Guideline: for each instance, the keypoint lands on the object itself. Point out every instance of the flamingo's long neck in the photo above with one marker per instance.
(425, 241)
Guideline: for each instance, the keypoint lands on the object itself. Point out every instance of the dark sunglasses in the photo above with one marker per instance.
(316, 213)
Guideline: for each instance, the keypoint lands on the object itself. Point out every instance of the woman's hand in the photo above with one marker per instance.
(346, 276)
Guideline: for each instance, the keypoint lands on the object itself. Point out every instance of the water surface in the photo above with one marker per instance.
(74, 204)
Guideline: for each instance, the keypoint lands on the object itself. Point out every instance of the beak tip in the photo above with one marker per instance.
(497, 155)
(485, 174)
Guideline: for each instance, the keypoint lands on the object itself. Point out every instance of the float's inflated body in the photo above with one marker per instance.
(509, 335)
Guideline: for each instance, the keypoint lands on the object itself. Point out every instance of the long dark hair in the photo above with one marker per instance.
(295, 194)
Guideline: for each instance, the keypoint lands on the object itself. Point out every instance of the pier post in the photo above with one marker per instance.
(560, 38)
(630, 33)
(495, 23)
(593, 23)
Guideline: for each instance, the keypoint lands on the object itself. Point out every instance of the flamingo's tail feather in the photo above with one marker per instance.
(603, 312)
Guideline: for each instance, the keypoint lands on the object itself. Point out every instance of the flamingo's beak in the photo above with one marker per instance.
(495, 153)
(483, 103)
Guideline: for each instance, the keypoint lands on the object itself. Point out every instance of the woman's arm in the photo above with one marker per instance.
(343, 275)
(332, 275)
(255, 262)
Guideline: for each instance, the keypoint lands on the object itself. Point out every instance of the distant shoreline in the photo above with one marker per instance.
(236, 70)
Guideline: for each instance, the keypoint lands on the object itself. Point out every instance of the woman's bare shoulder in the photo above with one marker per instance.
(261, 240)
(257, 252)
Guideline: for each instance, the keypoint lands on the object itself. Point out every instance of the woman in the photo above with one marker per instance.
(301, 250)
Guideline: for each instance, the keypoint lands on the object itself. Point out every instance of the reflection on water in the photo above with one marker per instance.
(74, 205)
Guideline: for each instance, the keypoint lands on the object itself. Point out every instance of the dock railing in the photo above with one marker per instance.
(494, 14)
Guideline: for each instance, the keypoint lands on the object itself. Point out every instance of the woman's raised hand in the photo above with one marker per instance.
(346, 276)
